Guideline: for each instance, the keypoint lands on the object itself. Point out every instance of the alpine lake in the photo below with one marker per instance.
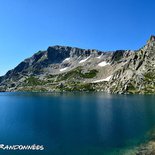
(75, 123)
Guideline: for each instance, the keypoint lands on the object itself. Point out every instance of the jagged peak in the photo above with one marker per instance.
(152, 39)
(57, 47)
(63, 47)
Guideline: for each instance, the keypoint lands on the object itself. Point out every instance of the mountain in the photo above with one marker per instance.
(63, 68)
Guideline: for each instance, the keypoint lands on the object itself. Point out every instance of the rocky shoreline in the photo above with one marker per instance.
(146, 148)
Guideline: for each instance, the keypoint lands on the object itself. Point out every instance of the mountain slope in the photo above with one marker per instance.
(62, 68)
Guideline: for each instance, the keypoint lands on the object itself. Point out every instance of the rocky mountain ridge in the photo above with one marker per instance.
(63, 68)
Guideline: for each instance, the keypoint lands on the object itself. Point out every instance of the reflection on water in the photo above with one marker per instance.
(75, 124)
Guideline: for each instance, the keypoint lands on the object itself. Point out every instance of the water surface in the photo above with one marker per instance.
(75, 124)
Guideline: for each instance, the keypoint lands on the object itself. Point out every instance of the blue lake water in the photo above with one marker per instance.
(75, 124)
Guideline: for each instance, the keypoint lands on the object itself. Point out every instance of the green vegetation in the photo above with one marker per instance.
(77, 73)
(149, 82)
(83, 87)
(33, 81)
(32, 89)
(76, 87)
(146, 86)
(149, 77)
(71, 81)
(71, 74)
(58, 83)
(90, 74)
(131, 88)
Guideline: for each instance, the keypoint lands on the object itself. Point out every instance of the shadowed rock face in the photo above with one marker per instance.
(57, 54)
(121, 71)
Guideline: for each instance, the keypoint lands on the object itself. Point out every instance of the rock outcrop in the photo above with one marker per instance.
(63, 68)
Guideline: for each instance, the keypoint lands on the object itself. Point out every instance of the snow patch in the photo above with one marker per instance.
(99, 56)
(103, 63)
(67, 59)
(101, 80)
(63, 69)
(82, 61)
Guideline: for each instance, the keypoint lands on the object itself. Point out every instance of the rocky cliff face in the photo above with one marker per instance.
(137, 74)
(62, 68)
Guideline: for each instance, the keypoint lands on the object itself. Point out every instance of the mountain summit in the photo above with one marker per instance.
(64, 68)
(152, 38)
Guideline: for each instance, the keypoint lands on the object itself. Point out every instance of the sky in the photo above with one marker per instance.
(27, 26)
